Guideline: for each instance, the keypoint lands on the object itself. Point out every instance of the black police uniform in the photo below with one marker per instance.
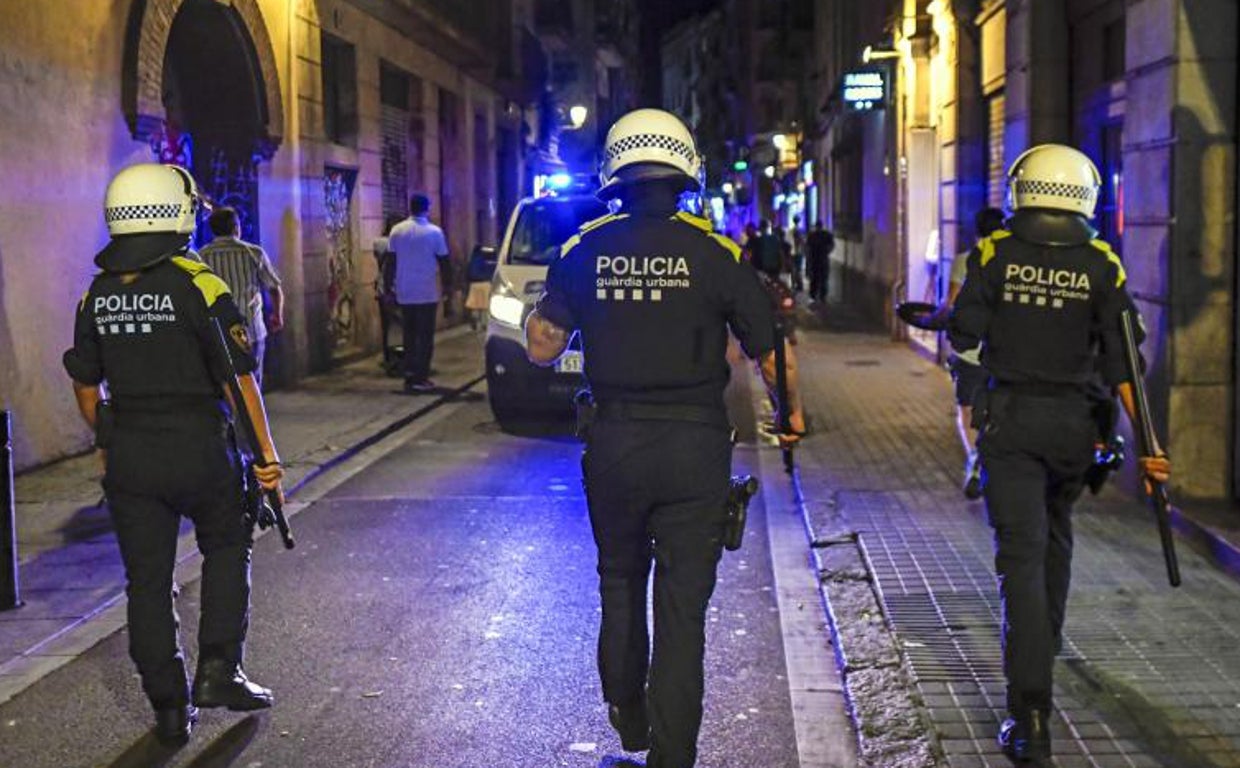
(653, 293)
(1045, 300)
(148, 335)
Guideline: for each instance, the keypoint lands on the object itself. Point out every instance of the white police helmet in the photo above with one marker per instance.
(648, 144)
(149, 198)
(1054, 176)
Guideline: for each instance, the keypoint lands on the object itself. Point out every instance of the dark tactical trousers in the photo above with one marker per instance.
(418, 332)
(159, 469)
(656, 491)
(1035, 451)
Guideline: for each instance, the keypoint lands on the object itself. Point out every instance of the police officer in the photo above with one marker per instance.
(653, 292)
(1044, 299)
(144, 337)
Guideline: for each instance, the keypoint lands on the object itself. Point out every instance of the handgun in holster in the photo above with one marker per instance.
(1109, 446)
(105, 423)
(587, 409)
(741, 488)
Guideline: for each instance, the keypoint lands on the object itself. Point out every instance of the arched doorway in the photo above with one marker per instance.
(215, 107)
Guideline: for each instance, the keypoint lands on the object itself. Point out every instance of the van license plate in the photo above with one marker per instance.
(570, 362)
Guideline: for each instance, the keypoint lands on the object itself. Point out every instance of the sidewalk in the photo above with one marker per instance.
(69, 565)
(1149, 676)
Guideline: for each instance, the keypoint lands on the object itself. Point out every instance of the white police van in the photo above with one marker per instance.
(536, 230)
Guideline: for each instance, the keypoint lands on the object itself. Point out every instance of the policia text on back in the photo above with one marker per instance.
(146, 334)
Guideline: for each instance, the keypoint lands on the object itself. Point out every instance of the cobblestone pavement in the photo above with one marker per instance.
(1149, 676)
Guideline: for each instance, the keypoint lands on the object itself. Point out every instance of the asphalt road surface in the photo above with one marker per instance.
(440, 611)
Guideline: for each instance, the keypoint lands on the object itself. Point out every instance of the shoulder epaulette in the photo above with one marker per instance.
(1113, 257)
(700, 222)
(986, 246)
(206, 281)
(589, 226)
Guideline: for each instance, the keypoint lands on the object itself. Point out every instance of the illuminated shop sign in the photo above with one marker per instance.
(865, 90)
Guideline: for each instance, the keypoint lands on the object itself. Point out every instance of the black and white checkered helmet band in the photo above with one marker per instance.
(1054, 189)
(166, 211)
(656, 141)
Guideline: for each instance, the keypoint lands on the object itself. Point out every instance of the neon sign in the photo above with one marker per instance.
(865, 90)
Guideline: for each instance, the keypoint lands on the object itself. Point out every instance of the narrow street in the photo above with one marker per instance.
(440, 610)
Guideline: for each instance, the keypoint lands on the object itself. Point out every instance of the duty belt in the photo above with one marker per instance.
(694, 414)
(1039, 388)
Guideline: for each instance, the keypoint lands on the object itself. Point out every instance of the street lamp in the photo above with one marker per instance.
(870, 54)
(578, 114)
(727, 187)
(769, 171)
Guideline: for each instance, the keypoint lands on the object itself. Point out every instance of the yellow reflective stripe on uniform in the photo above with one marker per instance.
(697, 221)
(82, 303)
(727, 243)
(189, 265)
(1113, 257)
(575, 240)
(986, 246)
(206, 281)
(570, 244)
(600, 221)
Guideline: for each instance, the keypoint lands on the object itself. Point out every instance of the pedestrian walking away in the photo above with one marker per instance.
(658, 444)
(420, 285)
(968, 373)
(247, 270)
(385, 296)
(1044, 301)
(767, 251)
(820, 244)
(145, 333)
(796, 237)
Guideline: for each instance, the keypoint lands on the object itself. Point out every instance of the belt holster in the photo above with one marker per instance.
(587, 410)
(105, 423)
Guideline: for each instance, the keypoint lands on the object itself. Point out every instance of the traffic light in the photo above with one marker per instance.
(740, 165)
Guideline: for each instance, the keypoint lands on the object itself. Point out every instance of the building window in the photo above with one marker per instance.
(1110, 215)
(1113, 45)
(339, 91)
(394, 124)
(847, 184)
(996, 173)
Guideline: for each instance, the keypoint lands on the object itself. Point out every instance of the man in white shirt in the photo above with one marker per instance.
(421, 273)
(247, 270)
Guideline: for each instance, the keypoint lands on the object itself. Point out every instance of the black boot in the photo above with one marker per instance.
(1026, 738)
(222, 683)
(173, 724)
(631, 723)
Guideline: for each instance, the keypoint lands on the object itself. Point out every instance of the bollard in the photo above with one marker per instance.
(9, 593)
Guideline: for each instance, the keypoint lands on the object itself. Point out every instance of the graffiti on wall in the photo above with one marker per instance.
(338, 198)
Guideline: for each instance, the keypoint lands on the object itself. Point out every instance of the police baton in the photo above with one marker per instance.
(1146, 442)
(10, 592)
(271, 510)
(783, 413)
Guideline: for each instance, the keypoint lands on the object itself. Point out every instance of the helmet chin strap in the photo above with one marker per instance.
(1045, 226)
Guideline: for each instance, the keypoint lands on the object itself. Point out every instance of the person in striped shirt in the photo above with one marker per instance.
(247, 270)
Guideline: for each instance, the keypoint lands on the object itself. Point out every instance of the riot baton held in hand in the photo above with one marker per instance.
(783, 413)
(9, 590)
(270, 510)
(1146, 445)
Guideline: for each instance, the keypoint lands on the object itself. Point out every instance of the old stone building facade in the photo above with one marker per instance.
(316, 118)
(1146, 88)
